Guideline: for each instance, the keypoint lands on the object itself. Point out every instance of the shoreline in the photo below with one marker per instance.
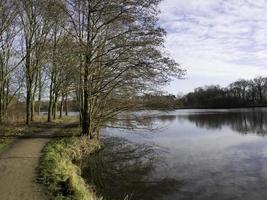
(225, 107)
(60, 172)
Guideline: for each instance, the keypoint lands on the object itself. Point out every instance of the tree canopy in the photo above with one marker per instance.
(100, 53)
(240, 93)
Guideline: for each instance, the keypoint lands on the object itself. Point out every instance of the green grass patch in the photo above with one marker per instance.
(60, 172)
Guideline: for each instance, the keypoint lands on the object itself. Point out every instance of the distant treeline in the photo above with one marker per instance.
(241, 93)
(157, 101)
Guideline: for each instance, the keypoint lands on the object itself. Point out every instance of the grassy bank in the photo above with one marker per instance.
(61, 174)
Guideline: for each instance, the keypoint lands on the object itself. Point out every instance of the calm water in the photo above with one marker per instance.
(191, 155)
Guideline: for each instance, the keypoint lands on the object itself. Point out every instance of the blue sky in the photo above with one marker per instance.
(217, 41)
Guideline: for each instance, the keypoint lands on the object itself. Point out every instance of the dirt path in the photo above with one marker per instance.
(18, 168)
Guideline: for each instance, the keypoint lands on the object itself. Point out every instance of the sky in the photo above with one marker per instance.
(216, 41)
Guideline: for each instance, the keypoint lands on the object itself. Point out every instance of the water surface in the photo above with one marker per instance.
(191, 154)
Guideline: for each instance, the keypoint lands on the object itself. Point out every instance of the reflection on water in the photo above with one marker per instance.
(242, 122)
(124, 169)
(196, 155)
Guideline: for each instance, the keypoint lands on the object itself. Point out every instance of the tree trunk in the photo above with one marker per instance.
(29, 78)
(81, 99)
(49, 113)
(39, 92)
(32, 109)
(66, 105)
(61, 106)
(55, 106)
(85, 115)
(85, 118)
(28, 103)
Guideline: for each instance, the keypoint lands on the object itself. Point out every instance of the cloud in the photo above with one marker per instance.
(216, 39)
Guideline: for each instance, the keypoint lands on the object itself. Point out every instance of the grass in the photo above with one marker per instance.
(61, 174)
(11, 130)
(58, 164)
(18, 128)
(8, 132)
(4, 142)
(15, 129)
(66, 119)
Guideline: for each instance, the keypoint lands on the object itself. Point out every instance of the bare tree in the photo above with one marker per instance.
(260, 84)
(119, 46)
(30, 19)
(239, 89)
(9, 58)
(106, 52)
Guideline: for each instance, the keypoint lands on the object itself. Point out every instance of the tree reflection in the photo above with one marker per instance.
(123, 168)
(242, 122)
(167, 118)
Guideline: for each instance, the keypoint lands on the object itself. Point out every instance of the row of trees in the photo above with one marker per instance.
(100, 53)
(158, 100)
(239, 93)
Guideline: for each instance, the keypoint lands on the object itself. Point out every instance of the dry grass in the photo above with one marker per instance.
(66, 119)
(4, 142)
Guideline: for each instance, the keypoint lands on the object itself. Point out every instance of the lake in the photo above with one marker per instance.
(211, 154)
